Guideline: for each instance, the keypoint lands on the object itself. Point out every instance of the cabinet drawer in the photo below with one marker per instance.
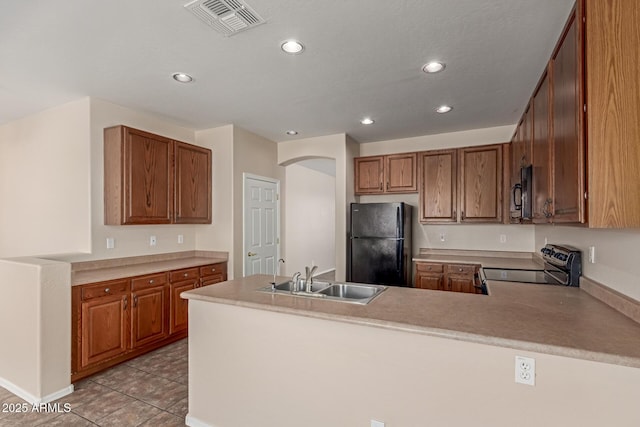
(463, 269)
(105, 289)
(212, 280)
(210, 270)
(429, 267)
(184, 274)
(148, 281)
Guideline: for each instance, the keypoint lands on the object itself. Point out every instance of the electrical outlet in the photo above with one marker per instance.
(503, 238)
(375, 423)
(592, 254)
(111, 243)
(180, 239)
(525, 370)
(152, 241)
(442, 237)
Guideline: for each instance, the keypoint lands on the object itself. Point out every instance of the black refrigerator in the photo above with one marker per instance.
(379, 249)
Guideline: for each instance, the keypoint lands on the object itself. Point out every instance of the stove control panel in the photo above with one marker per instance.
(567, 258)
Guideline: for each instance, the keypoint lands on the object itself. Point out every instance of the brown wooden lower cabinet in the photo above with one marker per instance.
(118, 320)
(213, 273)
(447, 277)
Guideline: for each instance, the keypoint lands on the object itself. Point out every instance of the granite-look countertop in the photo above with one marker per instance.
(547, 319)
(121, 269)
(517, 260)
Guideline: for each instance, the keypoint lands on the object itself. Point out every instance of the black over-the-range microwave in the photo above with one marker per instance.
(522, 193)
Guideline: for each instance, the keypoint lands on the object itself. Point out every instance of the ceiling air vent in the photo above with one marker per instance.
(225, 16)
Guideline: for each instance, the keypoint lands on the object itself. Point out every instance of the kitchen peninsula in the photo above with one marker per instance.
(410, 357)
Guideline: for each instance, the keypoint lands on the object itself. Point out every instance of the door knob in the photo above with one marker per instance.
(252, 254)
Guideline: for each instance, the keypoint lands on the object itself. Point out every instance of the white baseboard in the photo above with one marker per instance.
(194, 422)
(23, 394)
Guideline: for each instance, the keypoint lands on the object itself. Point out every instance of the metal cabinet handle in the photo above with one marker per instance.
(107, 290)
(135, 300)
(460, 270)
(546, 210)
(151, 281)
(126, 302)
(213, 269)
(186, 274)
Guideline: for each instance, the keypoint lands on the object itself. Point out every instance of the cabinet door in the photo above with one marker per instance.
(192, 184)
(369, 175)
(147, 188)
(148, 316)
(179, 310)
(542, 141)
(438, 179)
(103, 329)
(481, 184)
(400, 170)
(430, 281)
(465, 284)
(568, 140)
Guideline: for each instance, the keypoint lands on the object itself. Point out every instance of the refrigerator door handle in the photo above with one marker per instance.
(399, 244)
(398, 222)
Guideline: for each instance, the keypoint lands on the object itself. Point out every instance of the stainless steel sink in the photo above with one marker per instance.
(354, 293)
(350, 291)
(289, 287)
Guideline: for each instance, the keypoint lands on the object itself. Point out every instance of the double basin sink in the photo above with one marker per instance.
(354, 293)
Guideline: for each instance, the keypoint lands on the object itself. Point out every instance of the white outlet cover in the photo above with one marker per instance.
(152, 241)
(110, 243)
(525, 370)
(503, 238)
(375, 423)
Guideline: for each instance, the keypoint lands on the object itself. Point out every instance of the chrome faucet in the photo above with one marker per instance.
(275, 270)
(295, 279)
(309, 279)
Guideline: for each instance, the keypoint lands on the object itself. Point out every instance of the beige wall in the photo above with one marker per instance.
(219, 235)
(617, 254)
(45, 182)
(131, 240)
(299, 371)
(255, 155)
(35, 314)
(341, 148)
(310, 220)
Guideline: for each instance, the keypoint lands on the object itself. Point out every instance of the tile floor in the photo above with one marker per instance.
(150, 390)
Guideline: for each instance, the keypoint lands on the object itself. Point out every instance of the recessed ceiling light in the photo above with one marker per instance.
(182, 77)
(367, 121)
(292, 46)
(443, 109)
(292, 132)
(433, 67)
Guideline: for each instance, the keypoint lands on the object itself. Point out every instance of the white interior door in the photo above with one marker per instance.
(261, 225)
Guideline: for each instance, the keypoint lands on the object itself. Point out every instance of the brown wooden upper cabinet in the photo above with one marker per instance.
(192, 184)
(481, 183)
(567, 112)
(438, 186)
(463, 185)
(593, 130)
(150, 179)
(542, 206)
(394, 173)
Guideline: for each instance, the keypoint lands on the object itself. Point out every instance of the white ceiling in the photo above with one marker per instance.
(362, 58)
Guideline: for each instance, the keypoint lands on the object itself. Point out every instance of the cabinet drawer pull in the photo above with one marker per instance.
(213, 269)
(135, 300)
(126, 302)
(186, 274)
(107, 290)
(430, 268)
(460, 270)
(151, 281)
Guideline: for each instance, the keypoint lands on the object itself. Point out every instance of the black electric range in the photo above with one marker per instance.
(562, 266)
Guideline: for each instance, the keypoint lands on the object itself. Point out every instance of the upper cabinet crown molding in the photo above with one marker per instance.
(150, 179)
